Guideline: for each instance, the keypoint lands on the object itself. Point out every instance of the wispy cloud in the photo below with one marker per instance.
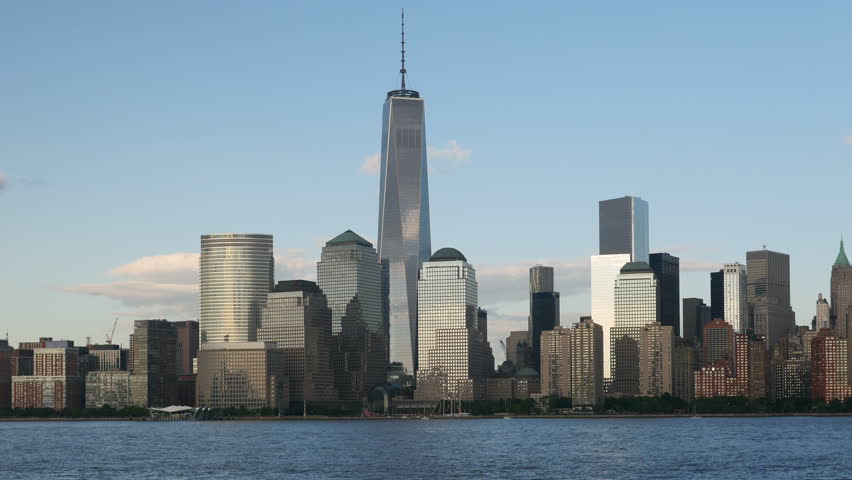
(174, 267)
(443, 159)
(370, 165)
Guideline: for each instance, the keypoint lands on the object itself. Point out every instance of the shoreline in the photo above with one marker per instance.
(438, 417)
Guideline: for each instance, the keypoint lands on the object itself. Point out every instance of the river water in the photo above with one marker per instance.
(705, 448)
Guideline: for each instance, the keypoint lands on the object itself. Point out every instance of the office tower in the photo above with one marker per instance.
(751, 367)
(447, 332)
(109, 357)
(297, 320)
(404, 236)
(586, 366)
(635, 306)
(6, 374)
(769, 294)
(605, 270)
(556, 362)
(483, 346)
(667, 270)
(242, 374)
(236, 273)
(823, 314)
(350, 276)
(109, 387)
(655, 359)
(55, 382)
(518, 350)
(154, 379)
(841, 293)
(187, 345)
(718, 343)
(544, 308)
(790, 365)
(623, 227)
(829, 369)
(717, 294)
(695, 316)
(736, 300)
(684, 364)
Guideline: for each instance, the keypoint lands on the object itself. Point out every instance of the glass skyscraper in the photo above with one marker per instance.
(544, 308)
(636, 300)
(623, 227)
(236, 274)
(404, 239)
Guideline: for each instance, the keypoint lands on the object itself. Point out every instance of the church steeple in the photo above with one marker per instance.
(841, 260)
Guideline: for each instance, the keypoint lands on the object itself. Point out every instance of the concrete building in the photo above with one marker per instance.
(586, 367)
(746, 375)
(6, 374)
(829, 367)
(297, 321)
(518, 350)
(684, 365)
(768, 293)
(667, 271)
(735, 296)
(237, 374)
(154, 379)
(841, 293)
(544, 307)
(350, 276)
(635, 306)
(108, 357)
(823, 313)
(56, 382)
(718, 344)
(655, 359)
(695, 316)
(555, 366)
(448, 340)
(187, 345)
(109, 387)
(236, 273)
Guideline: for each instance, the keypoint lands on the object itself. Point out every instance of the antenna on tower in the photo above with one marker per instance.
(402, 70)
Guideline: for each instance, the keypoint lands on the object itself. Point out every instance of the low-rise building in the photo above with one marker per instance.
(237, 374)
(111, 387)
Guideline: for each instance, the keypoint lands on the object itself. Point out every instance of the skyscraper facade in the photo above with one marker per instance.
(155, 364)
(236, 273)
(404, 236)
(605, 271)
(635, 306)
(350, 275)
(841, 293)
(695, 315)
(623, 227)
(544, 308)
(656, 342)
(736, 299)
(667, 270)
(717, 294)
(242, 374)
(718, 343)
(768, 293)
(823, 313)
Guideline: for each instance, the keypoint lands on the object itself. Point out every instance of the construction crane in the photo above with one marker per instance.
(503, 346)
(110, 335)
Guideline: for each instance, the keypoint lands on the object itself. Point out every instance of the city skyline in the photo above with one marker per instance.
(145, 273)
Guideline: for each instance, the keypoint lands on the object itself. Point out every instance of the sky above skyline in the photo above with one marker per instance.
(129, 130)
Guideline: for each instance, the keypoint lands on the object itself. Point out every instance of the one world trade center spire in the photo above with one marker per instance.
(404, 238)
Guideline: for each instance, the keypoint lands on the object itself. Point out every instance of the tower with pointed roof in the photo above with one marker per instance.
(841, 293)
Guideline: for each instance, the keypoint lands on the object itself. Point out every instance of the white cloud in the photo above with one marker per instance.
(444, 159)
(4, 180)
(502, 283)
(137, 292)
(291, 264)
(370, 165)
(175, 267)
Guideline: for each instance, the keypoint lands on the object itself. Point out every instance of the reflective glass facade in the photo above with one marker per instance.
(666, 268)
(236, 273)
(735, 306)
(623, 227)
(635, 307)
(404, 240)
(605, 269)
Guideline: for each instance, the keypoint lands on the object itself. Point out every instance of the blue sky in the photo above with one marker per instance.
(128, 130)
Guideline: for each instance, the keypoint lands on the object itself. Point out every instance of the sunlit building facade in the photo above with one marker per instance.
(735, 300)
(237, 374)
(604, 271)
(635, 307)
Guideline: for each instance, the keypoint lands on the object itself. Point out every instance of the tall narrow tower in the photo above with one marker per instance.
(404, 238)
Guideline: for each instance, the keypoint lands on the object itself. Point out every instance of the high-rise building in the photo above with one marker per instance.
(770, 312)
(6, 374)
(841, 293)
(236, 273)
(404, 233)
(109, 387)
(572, 363)
(718, 343)
(154, 379)
(790, 365)
(297, 320)
(667, 270)
(829, 368)
(717, 294)
(736, 300)
(623, 227)
(187, 345)
(110, 357)
(544, 308)
(745, 375)
(242, 374)
(518, 350)
(448, 339)
(605, 271)
(635, 306)
(656, 342)
(823, 313)
(350, 276)
(55, 382)
(684, 364)
(556, 362)
(695, 316)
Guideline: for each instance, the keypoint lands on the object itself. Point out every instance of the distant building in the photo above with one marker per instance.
(770, 312)
(108, 357)
(21, 362)
(555, 366)
(695, 316)
(6, 374)
(829, 367)
(635, 307)
(667, 270)
(56, 382)
(623, 228)
(109, 387)
(841, 293)
(187, 345)
(236, 273)
(684, 365)
(544, 307)
(518, 350)
(237, 374)
(154, 347)
(718, 343)
(823, 313)
(655, 359)
(717, 294)
(350, 276)
(736, 298)
(449, 343)
(604, 272)
(297, 320)
(745, 375)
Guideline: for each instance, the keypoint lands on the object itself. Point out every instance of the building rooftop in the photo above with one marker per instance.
(841, 260)
(636, 267)
(447, 254)
(348, 238)
(526, 372)
(295, 286)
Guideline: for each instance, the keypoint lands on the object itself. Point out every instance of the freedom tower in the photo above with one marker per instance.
(404, 238)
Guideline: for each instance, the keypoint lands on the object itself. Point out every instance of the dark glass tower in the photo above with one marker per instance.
(695, 316)
(404, 239)
(623, 227)
(768, 294)
(717, 294)
(544, 309)
(667, 270)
